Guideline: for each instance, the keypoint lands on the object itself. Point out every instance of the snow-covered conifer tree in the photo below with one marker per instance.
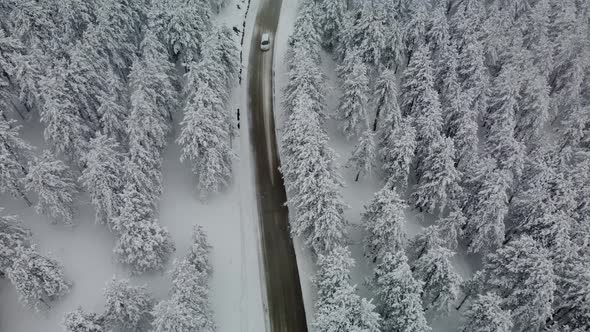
(398, 295)
(533, 110)
(353, 103)
(331, 21)
(113, 109)
(414, 25)
(437, 185)
(127, 307)
(54, 185)
(388, 114)
(184, 25)
(204, 137)
(370, 33)
(306, 32)
(486, 314)
(486, 209)
(305, 77)
(143, 244)
(14, 155)
(38, 280)
(14, 236)
(523, 273)
(65, 130)
(364, 159)
(383, 222)
(188, 308)
(82, 321)
(437, 33)
(441, 282)
(103, 177)
(417, 81)
(423, 242)
(337, 306)
(397, 153)
(450, 228)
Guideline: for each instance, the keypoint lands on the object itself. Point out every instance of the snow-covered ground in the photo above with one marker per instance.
(230, 221)
(355, 194)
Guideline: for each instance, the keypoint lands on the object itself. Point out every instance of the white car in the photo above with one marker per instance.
(265, 41)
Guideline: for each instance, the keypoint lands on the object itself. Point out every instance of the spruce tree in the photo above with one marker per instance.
(337, 306)
(55, 187)
(353, 104)
(383, 221)
(397, 153)
(441, 282)
(38, 280)
(522, 273)
(14, 236)
(398, 295)
(81, 321)
(127, 307)
(363, 159)
(14, 155)
(486, 315)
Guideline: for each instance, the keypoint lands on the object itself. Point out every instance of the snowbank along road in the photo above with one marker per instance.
(285, 303)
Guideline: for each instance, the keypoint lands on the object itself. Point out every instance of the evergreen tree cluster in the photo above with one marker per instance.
(39, 280)
(104, 79)
(207, 127)
(308, 166)
(188, 308)
(127, 308)
(478, 117)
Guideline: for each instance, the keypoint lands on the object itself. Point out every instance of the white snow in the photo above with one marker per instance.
(230, 222)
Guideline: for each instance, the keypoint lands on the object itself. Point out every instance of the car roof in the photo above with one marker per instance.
(265, 35)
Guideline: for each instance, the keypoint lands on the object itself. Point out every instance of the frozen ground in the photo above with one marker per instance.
(355, 194)
(229, 219)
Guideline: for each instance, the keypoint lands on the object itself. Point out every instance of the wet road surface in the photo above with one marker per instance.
(285, 302)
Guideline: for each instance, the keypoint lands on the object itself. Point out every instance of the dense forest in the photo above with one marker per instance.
(107, 79)
(473, 113)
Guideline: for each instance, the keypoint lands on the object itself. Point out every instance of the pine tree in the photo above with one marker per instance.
(424, 242)
(305, 77)
(169, 315)
(55, 186)
(370, 34)
(523, 274)
(486, 315)
(441, 282)
(383, 221)
(363, 159)
(14, 236)
(437, 186)
(417, 83)
(533, 110)
(398, 295)
(183, 25)
(306, 32)
(414, 25)
(113, 110)
(103, 177)
(81, 321)
(156, 76)
(450, 228)
(143, 244)
(204, 137)
(486, 210)
(38, 280)
(397, 153)
(437, 33)
(338, 308)
(331, 20)
(65, 130)
(127, 307)
(353, 104)
(388, 114)
(14, 155)
(189, 308)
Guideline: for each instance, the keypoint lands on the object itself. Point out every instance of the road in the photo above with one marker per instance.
(283, 289)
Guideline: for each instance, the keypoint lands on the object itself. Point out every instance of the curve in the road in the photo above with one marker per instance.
(283, 288)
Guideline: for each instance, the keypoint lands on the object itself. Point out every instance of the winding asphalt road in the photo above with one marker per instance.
(283, 289)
